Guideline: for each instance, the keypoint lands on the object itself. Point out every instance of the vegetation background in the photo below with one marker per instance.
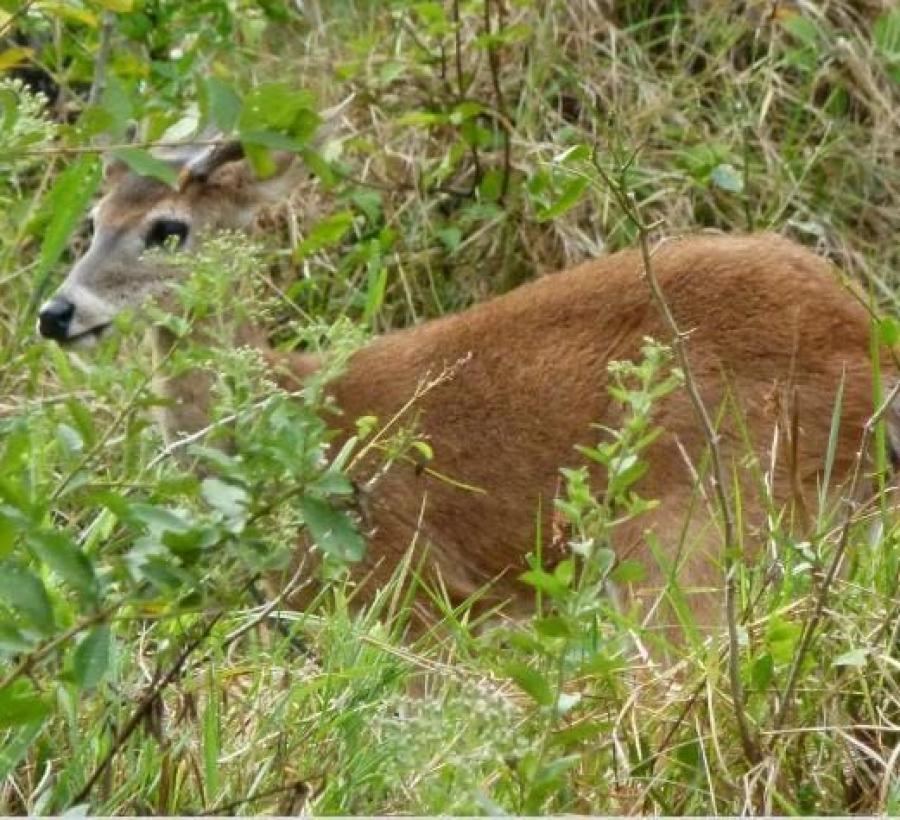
(142, 671)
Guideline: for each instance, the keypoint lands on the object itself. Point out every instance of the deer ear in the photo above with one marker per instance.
(289, 172)
(239, 178)
(113, 170)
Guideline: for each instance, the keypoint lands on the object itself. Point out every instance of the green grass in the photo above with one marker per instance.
(738, 121)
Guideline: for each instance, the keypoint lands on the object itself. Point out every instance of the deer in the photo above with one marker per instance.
(762, 317)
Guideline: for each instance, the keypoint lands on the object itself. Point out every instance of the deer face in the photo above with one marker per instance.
(217, 191)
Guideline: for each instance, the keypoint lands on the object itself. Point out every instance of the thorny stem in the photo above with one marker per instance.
(822, 598)
(630, 207)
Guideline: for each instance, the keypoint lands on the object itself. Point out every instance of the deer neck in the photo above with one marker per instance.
(188, 395)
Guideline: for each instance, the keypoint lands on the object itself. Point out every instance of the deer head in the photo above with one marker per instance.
(217, 190)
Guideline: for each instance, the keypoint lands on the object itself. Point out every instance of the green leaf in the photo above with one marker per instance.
(70, 12)
(21, 705)
(279, 106)
(369, 202)
(762, 672)
(146, 165)
(332, 530)
(83, 420)
(573, 735)
(224, 104)
(91, 659)
(465, 111)
(888, 331)
(117, 105)
(11, 639)
(629, 571)
(568, 198)
(122, 6)
(8, 530)
(24, 592)
(67, 201)
(422, 118)
(59, 552)
(450, 237)
(531, 682)
(270, 139)
(157, 519)
(325, 233)
(424, 449)
(228, 499)
(260, 159)
(16, 745)
(855, 657)
(782, 638)
(377, 282)
(727, 177)
(886, 33)
(13, 56)
(553, 626)
(544, 582)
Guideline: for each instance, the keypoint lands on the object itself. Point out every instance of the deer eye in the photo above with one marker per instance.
(162, 230)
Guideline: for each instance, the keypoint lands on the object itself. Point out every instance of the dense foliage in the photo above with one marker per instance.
(146, 666)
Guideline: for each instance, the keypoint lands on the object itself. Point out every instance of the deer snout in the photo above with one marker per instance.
(55, 318)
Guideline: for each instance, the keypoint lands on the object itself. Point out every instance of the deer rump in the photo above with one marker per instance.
(772, 339)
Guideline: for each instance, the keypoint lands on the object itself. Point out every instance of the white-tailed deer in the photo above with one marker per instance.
(769, 326)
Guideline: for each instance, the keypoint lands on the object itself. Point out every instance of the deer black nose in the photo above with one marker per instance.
(54, 319)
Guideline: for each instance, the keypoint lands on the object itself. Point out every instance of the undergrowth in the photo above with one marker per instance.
(148, 667)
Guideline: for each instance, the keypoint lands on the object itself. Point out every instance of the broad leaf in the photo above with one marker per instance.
(66, 559)
(91, 658)
(21, 705)
(531, 682)
(332, 530)
(146, 165)
(24, 593)
(68, 200)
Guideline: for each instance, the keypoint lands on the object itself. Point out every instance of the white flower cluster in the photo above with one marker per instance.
(23, 124)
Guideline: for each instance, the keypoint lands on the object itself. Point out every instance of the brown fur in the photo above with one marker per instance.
(768, 325)
(763, 314)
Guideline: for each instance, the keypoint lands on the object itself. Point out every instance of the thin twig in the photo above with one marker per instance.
(74, 150)
(98, 84)
(460, 83)
(130, 406)
(262, 614)
(145, 706)
(29, 661)
(190, 438)
(19, 12)
(494, 65)
(300, 785)
(718, 476)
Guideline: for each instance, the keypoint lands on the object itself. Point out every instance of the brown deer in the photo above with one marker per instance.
(768, 327)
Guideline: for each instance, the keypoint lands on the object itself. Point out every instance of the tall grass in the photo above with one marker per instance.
(459, 168)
